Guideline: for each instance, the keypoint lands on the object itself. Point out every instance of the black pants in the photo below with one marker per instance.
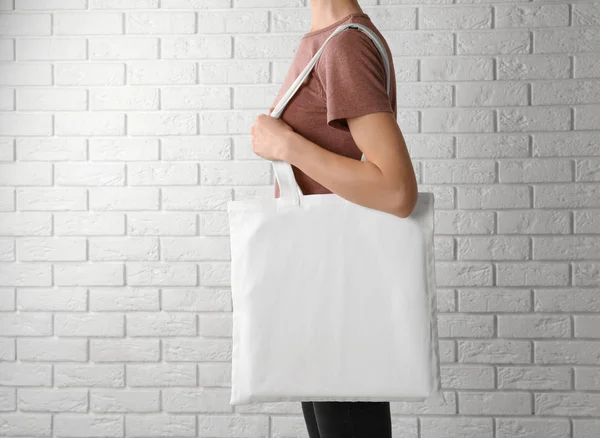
(347, 419)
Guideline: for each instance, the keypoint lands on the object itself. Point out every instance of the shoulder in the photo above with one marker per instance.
(349, 48)
(348, 41)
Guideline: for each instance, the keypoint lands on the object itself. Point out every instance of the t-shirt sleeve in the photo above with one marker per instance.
(352, 74)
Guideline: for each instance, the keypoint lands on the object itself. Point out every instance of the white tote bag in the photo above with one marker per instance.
(331, 300)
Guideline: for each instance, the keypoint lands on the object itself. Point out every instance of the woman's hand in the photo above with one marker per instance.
(270, 137)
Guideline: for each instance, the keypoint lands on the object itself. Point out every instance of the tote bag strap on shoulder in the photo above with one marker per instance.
(283, 171)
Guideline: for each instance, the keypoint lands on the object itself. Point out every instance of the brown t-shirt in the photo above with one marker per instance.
(348, 80)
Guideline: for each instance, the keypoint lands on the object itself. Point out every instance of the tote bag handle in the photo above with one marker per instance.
(283, 171)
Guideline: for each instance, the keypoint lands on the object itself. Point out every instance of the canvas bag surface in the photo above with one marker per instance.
(331, 300)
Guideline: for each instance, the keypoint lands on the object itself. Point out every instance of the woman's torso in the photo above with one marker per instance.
(306, 112)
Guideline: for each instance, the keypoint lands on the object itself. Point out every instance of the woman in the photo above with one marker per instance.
(341, 111)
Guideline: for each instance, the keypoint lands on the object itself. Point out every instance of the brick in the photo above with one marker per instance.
(123, 4)
(124, 198)
(465, 326)
(150, 124)
(532, 428)
(216, 325)
(89, 74)
(532, 274)
(567, 40)
(214, 273)
(567, 352)
(567, 195)
(458, 172)
(493, 42)
(25, 374)
(567, 404)
(161, 274)
(581, 91)
(233, 424)
(24, 124)
(131, 401)
(196, 198)
(457, 120)
(85, 23)
(206, 47)
(151, 73)
(29, 174)
(567, 300)
(162, 174)
(585, 428)
(534, 119)
(495, 403)
(153, 23)
(25, 74)
(561, 144)
(586, 65)
(73, 425)
(426, 43)
(163, 375)
(89, 224)
(83, 274)
(125, 249)
(51, 49)
(51, 198)
(461, 17)
(196, 299)
(195, 248)
(534, 326)
(161, 223)
(25, 324)
(25, 24)
(495, 351)
(90, 375)
(7, 251)
(494, 300)
(51, 99)
(587, 378)
(124, 350)
(126, 49)
(124, 149)
(52, 300)
(49, 4)
(467, 377)
(27, 424)
(448, 69)
(233, 72)
(51, 249)
(524, 67)
(499, 196)
(534, 377)
(432, 427)
(91, 124)
(198, 148)
(67, 174)
(587, 326)
(161, 324)
(532, 16)
(52, 349)
(534, 222)
(53, 400)
(131, 98)
(26, 224)
(196, 98)
(197, 350)
(124, 299)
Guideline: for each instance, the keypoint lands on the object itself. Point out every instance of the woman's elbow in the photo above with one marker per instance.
(406, 200)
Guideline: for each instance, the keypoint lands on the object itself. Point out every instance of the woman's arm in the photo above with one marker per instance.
(385, 182)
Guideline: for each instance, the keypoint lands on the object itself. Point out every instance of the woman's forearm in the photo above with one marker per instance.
(359, 182)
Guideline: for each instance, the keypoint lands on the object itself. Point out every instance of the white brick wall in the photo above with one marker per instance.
(124, 130)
